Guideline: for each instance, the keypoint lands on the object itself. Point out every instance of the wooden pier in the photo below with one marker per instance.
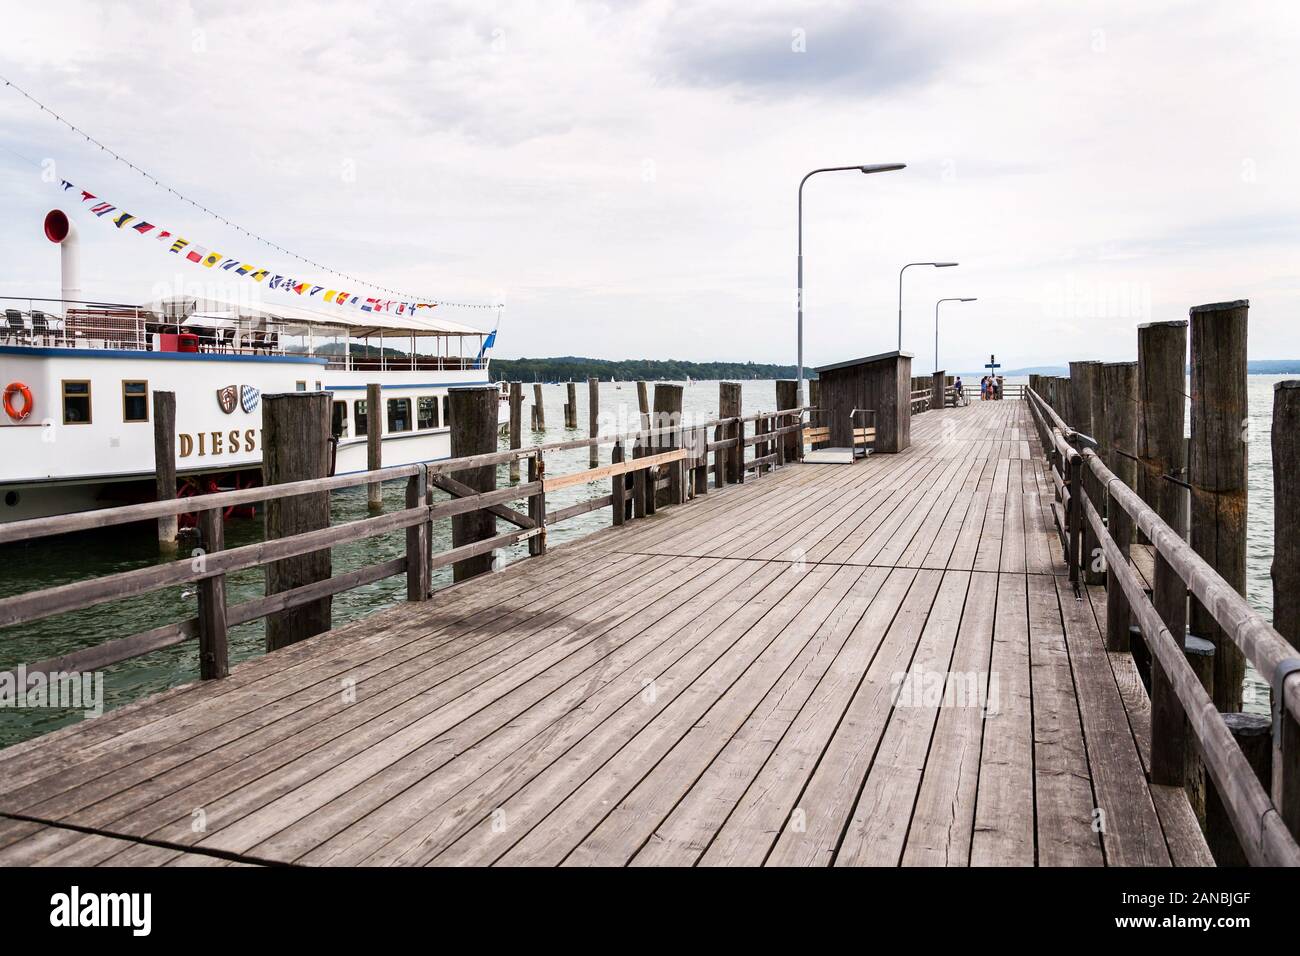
(756, 678)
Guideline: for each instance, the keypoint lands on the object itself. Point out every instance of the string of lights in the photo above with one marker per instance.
(234, 225)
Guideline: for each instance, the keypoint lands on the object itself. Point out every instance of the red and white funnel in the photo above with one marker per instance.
(59, 230)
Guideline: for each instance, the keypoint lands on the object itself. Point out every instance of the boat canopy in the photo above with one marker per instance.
(297, 320)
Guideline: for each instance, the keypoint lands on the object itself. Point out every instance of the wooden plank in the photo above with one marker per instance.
(1004, 808)
(1062, 790)
(816, 825)
(1131, 834)
(878, 829)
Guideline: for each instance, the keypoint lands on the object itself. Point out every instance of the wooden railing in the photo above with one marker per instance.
(1264, 822)
(672, 460)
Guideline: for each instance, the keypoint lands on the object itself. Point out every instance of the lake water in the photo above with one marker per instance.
(77, 557)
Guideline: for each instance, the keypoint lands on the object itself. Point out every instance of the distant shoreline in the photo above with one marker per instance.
(569, 368)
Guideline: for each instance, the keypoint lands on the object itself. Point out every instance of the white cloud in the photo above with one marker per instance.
(627, 173)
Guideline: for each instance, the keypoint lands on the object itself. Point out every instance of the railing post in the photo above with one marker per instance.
(787, 396)
(1286, 595)
(537, 504)
(1074, 520)
(643, 404)
(1218, 474)
(618, 486)
(1084, 383)
(214, 652)
(418, 572)
(374, 444)
(642, 503)
(700, 474)
(1119, 382)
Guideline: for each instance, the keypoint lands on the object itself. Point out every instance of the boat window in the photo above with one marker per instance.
(300, 386)
(76, 403)
(426, 407)
(339, 420)
(360, 415)
(135, 401)
(399, 414)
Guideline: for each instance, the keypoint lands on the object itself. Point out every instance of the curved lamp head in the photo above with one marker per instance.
(944, 265)
(882, 168)
(968, 300)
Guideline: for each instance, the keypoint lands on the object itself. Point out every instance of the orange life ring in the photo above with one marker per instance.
(18, 388)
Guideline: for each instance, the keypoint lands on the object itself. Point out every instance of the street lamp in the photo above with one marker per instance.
(936, 326)
(937, 265)
(867, 170)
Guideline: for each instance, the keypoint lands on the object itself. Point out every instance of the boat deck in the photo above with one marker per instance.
(877, 663)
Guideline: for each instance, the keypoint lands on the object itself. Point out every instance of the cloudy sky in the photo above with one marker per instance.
(624, 175)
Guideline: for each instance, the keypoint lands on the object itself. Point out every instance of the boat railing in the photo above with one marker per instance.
(55, 323)
(648, 469)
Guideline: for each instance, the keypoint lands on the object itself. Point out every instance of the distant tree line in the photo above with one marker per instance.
(573, 368)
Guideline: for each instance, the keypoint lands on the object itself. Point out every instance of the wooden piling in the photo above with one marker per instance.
(668, 414)
(1217, 473)
(1200, 655)
(571, 406)
(1162, 408)
(374, 443)
(1119, 383)
(1286, 590)
(296, 447)
(936, 391)
(473, 432)
(593, 419)
(643, 403)
(516, 425)
(539, 408)
(729, 407)
(164, 463)
(1253, 734)
(787, 396)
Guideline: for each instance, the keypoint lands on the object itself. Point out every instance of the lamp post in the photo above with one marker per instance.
(937, 265)
(936, 326)
(866, 170)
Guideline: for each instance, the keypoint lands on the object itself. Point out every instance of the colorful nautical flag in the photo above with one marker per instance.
(198, 254)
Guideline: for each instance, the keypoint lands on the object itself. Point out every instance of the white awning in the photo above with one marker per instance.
(299, 320)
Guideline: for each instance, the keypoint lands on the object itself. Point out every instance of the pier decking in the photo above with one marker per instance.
(718, 684)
